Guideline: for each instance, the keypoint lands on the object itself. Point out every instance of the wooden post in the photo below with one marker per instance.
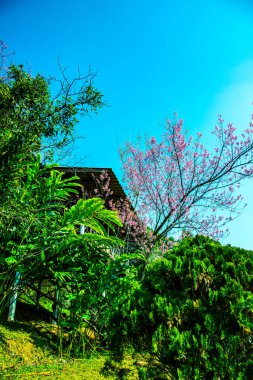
(13, 299)
(81, 230)
(55, 307)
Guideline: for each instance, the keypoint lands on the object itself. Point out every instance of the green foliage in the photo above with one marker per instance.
(190, 314)
(39, 225)
(93, 215)
(188, 311)
(42, 242)
(29, 114)
(40, 235)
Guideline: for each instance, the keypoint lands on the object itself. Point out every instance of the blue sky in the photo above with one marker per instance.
(153, 58)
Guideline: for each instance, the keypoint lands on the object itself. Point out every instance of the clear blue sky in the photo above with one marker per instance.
(152, 58)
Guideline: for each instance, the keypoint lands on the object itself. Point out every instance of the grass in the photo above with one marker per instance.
(58, 369)
(28, 350)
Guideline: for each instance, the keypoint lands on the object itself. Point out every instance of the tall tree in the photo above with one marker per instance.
(178, 183)
(39, 236)
(32, 118)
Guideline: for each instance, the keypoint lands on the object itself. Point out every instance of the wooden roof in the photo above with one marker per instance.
(87, 180)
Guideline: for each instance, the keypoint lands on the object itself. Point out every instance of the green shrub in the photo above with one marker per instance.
(190, 314)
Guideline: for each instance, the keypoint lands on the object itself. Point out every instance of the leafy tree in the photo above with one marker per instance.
(42, 240)
(178, 184)
(190, 315)
(38, 228)
(33, 119)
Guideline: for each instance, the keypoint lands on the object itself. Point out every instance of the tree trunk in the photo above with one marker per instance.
(38, 295)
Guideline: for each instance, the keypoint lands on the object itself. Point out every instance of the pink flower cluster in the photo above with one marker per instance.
(179, 184)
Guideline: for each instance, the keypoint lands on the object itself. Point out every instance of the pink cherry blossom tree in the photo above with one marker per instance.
(178, 184)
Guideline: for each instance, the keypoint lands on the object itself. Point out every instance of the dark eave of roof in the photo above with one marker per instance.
(87, 175)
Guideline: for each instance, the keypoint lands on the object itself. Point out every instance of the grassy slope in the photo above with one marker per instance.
(28, 351)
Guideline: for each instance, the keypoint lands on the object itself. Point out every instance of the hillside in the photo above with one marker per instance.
(28, 351)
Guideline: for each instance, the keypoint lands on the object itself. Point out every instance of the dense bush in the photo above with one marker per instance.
(190, 313)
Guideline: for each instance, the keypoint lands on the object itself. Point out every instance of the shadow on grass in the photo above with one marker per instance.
(2, 338)
(36, 324)
(40, 334)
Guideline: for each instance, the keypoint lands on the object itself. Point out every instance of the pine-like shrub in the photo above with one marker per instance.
(190, 314)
